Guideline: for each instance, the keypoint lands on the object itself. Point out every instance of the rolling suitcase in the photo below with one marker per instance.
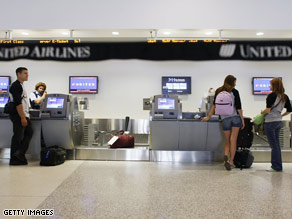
(245, 136)
(243, 156)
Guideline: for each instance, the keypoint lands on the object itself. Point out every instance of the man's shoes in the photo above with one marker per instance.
(17, 163)
(226, 163)
(20, 156)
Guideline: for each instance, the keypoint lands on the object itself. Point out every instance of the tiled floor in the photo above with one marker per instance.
(25, 187)
(103, 189)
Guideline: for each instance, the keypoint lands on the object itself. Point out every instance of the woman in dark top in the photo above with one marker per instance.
(275, 103)
(231, 123)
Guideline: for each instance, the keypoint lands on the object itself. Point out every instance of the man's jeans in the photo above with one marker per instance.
(272, 130)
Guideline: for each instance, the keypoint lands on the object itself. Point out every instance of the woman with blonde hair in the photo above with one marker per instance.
(275, 103)
(37, 97)
(231, 122)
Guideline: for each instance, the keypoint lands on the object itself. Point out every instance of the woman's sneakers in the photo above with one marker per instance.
(273, 170)
(226, 163)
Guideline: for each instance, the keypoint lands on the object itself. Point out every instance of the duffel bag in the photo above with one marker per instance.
(123, 141)
(52, 156)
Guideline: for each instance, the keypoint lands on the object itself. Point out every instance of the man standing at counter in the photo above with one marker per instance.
(22, 130)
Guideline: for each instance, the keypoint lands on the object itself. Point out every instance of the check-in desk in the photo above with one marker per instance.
(186, 140)
(180, 138)
(60, 122)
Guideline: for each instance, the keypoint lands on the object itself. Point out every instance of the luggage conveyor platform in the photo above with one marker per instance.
(97, 133)
(120, 154)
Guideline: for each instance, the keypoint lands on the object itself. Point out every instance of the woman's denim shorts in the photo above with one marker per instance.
(229, 122)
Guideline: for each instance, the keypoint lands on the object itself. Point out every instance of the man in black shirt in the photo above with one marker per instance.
(22, 130)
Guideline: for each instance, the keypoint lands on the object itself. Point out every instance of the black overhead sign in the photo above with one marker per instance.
(239, 50)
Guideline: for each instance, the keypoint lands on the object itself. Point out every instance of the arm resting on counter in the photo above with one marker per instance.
(210, 114)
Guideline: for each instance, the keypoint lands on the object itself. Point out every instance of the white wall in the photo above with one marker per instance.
(124, 83)
(133, 14)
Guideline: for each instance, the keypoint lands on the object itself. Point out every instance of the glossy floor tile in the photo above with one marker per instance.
(25, 187)
(101, 189)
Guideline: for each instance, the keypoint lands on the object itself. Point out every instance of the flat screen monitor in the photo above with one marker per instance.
(4, 83)
(176, 85)
(83, 84)
(166, 103)
(261, 85)
(55, 103)
(3, 101)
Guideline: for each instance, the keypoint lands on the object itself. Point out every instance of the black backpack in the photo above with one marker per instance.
(10, 108)
(52, 156)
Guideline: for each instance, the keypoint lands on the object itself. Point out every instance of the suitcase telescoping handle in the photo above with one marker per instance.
(127, 123)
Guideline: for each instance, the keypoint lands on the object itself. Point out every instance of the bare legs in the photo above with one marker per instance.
(230, 143)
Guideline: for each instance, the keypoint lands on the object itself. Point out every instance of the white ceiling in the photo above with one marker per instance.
(142, 34)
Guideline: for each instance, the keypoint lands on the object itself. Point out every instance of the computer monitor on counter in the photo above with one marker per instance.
(4, 83)
(4, 98)
(55, 106)
(166, 103)
(166, 107)
(55, 103)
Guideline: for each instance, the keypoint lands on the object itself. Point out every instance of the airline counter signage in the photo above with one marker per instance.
(73, 51)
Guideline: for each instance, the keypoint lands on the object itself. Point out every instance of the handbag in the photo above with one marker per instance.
(259, 119)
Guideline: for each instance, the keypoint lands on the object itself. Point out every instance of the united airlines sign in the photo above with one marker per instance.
(44, 52)
(247, 51)
(240, 50)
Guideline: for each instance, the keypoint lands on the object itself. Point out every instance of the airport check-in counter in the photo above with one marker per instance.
(178, 136)
(62, 122)
(59, 120)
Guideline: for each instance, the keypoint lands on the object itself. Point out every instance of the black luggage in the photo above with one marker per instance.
(52, 156)
(245, 136)
(243, 156)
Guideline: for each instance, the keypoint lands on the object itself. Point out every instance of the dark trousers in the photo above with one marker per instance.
(21, 136)
(272, 130)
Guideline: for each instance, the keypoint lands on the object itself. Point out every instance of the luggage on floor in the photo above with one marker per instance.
(52, 156)
(123, 140)
(245, 136)
(243, 158)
